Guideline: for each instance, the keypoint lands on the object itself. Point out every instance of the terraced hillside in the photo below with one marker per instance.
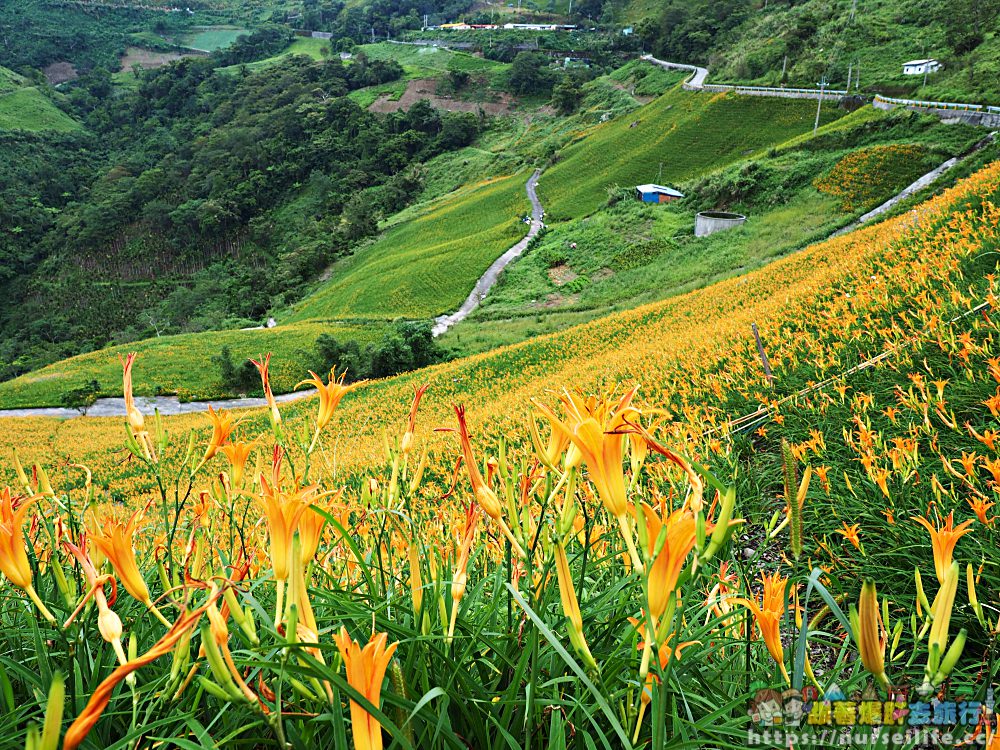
(686, 133)
(819, 311)
(427, 264)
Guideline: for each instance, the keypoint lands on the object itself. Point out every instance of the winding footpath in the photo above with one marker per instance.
(443, 322)
(171, 405)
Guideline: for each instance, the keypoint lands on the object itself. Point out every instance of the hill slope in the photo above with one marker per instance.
(819, 311)
(688, 133)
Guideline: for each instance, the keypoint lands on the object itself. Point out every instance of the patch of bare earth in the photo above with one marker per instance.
(148, 58)
(424, 88)
(562, 274)
(556, 299)
(604, 273)
(59, 72)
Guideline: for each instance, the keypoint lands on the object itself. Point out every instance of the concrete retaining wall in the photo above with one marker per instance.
(710, 222)
(949, 112)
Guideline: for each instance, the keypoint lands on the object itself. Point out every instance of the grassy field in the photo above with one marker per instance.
(211, 38)
(502, 605)
(428, 264)
(317, 49)
(425, 62)
(183, 363)
(9, 80)
(686, 132)
(28, 108)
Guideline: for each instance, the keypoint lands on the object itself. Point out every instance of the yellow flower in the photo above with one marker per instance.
(943, 541)
(365, 673)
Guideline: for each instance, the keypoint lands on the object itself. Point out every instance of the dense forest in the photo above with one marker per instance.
(200, 198)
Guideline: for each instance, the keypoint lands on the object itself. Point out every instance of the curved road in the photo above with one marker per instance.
(443, 322)
(697, 81)
(169, 405)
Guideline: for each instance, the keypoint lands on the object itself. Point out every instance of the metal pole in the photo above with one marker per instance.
(819, 104)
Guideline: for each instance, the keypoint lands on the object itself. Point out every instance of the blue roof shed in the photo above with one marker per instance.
(657, 193)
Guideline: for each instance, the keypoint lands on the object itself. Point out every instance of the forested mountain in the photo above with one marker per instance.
(804, 41)
(162, 214)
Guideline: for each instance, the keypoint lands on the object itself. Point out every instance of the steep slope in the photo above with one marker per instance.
(687, 133)
(819, 311)
(26, 108)
(425, 265)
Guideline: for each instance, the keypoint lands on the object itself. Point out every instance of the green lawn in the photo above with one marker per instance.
(211, 38)
(420, 62)
(428, 264)
(9, 80)
(182, 364)
(314, 48)
(688, 133)
(29, 109)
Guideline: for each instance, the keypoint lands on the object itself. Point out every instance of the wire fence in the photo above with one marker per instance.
(765, 413)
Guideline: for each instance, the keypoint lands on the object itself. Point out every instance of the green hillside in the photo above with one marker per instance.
(29, 109)
(182, 363)
(800, 43)
(686, 132)
(427, 265)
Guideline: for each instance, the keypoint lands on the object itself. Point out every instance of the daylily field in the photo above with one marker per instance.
(630, 534)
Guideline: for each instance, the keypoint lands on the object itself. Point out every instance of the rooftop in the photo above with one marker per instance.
(651, 188)
(920, 62)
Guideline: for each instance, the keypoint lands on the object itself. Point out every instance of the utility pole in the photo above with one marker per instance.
(784, 67)
(819, 104)
(857, 77)
(854, 7)
(850, 67)
(373, 35)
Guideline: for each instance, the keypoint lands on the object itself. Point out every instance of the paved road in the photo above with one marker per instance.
(168, 405)
(696, 81)
(443, 322)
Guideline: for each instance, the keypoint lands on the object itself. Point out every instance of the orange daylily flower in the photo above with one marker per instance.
(100, 698)
(115, 540)
(597, 428)
(330, 394)
(768, 613)
(237, 454)
(222, 428)
(980, 507)
(263, 367)
(943, 541)
(13, 554)
(406, 445)
(666, 566)
(851, 534)
(136, 423)
(365, 673)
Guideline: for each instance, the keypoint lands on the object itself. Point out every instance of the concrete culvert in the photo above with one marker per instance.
(709, 222)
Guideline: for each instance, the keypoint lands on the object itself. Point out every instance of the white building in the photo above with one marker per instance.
(921, 67)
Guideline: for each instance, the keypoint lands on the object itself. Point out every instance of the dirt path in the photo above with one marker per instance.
(488, 279)
(424, 88)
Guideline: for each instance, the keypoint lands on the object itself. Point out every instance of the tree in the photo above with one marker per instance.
(566, 95)
(529, 74)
